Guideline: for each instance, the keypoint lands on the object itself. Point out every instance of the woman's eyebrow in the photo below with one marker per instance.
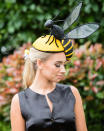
(61, 61)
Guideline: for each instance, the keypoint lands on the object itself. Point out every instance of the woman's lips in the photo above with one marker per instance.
(60, 76)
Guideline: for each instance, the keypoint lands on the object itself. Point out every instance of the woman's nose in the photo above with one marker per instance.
(63, 69)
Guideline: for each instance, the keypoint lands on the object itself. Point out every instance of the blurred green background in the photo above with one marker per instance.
(22, 21)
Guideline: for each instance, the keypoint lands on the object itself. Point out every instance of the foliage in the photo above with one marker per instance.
(10, 79)
(23, 21)
(4, 126)
(85, 71)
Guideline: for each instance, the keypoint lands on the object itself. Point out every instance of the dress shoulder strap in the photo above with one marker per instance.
(22, 100)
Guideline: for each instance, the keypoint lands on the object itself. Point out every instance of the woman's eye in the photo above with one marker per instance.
(57, 65)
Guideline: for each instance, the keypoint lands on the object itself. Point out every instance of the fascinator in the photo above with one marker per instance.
(58, 41)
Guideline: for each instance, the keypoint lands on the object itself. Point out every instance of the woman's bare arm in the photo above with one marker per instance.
(79, 111)
(17, 121)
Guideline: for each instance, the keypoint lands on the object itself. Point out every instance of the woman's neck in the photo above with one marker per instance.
(42, 85)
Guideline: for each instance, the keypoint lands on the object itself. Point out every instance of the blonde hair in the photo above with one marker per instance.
(30, 66)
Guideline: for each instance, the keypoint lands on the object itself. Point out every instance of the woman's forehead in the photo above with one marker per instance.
(58, 57)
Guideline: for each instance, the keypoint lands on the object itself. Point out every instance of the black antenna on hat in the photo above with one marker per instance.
(82, 31)
(56, 16)
(58, 21)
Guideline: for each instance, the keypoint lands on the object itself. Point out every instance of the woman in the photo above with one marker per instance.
(45, 104)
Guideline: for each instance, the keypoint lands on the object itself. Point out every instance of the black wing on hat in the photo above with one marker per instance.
(82, 31)
(72, 17)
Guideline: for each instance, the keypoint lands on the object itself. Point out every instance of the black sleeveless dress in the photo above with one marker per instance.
(36, 112)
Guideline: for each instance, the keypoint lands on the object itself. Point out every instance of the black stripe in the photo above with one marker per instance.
(48, 51)
(69, 56)
(65, 41)
(68, 46)
(70, 51)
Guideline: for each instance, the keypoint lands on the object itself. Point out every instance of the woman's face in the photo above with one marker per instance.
(53, 69)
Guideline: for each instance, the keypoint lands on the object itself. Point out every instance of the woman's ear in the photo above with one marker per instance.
(39, 63)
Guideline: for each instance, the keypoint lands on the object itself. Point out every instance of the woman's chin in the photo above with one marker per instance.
(58, 80)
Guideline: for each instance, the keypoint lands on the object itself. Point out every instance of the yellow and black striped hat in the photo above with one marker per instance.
(58, 41)
(47, 43)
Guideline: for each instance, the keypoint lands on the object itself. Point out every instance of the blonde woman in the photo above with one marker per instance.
(45, 104)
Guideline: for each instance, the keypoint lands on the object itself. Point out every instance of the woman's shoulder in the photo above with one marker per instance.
(72, 88)
(15, 98)
(76, 93)
(15, 102)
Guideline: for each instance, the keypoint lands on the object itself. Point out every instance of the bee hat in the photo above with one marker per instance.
(57, 41)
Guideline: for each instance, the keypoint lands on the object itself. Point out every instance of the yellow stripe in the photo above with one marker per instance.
(69, 54)
(68, 59)
(67, 43)
(68, 49)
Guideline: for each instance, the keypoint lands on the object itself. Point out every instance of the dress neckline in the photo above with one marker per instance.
(42, 94)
